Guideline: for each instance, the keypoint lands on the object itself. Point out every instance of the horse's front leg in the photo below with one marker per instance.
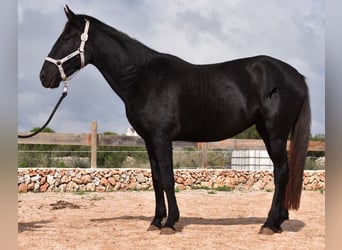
(160, 209)
(163, 152)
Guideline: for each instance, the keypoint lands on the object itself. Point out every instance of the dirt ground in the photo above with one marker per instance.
(119, 220)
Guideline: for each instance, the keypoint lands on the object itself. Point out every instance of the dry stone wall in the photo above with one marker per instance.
(73, 180)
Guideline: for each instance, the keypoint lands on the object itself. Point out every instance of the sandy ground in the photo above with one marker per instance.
(119, 220)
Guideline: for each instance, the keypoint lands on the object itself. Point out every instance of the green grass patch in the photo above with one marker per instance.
(200, 188)
(224, 189)
(80, 192)
(212, 192)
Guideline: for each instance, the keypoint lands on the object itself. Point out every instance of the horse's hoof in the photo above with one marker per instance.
(153, 228)
(269, 231)
(167, 230)
(266, 231)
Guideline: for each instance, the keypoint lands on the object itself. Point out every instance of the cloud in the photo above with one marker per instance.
(201, 31)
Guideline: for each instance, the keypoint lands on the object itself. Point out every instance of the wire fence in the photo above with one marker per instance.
(191, 159)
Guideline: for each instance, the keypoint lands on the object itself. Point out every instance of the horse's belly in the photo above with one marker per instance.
(212, 126)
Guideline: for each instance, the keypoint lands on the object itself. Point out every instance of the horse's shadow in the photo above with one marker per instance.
(288, 226)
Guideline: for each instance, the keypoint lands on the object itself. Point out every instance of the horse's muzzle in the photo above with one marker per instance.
(48, 82)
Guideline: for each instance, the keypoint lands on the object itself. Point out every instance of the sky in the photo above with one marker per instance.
(199, 31)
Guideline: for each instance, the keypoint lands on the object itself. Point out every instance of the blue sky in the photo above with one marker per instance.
(200, 31)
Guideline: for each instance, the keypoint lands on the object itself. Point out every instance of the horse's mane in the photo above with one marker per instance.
(118, 35)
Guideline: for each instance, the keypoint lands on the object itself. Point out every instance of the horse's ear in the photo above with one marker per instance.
(68, 12)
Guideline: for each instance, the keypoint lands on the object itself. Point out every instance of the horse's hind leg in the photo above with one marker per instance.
(276, 147)
(277, 214)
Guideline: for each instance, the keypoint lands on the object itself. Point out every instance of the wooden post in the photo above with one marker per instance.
(204, 155)
(93, 161)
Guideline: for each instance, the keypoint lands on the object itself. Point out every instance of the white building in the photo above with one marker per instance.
(131, 132)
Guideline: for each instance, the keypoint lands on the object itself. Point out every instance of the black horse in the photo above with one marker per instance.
(167, 99)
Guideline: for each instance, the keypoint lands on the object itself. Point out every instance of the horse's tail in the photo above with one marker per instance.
(297, 154)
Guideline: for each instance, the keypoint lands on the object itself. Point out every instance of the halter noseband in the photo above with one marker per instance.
(80, 51)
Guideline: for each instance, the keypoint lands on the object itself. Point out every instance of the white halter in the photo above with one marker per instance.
(80, 51)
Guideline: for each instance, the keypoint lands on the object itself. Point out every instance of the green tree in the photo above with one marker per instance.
(109, 133)
(46, 130)
(250, 133)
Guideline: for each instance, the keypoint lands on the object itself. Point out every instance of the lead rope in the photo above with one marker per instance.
(59, 64)
(64, 94)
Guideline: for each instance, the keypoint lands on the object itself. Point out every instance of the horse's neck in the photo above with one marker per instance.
(121, 72)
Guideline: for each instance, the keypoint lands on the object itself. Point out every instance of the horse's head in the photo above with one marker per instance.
(69, 54)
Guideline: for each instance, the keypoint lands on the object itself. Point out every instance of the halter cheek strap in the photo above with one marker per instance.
(79, 51)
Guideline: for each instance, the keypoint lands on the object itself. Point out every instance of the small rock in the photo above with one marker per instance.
(269, 186)
(65, 179)
(44, 187)
(25, 171)
(180, 180)
(308, 187)
(85, 179)
(96, 181)
(117, 177)
(104, 182)
(132, 186)
(50, 179)
(188, 182)
(57, 174)
(90, 187)
(22, 188)
(132, 180)
(77, 180)
(141, 178)
(58, 182)
(117, 186)
(100, 189)
(144, 186)
(43, 180)
(71, 187)
(81, 188)
(32, 172)
(27, 178)
(259, 185)
(147, 174)
(111, 180)
(61, 188)
(30, 186)
(36, 186)
(35, 178)
(21, 179)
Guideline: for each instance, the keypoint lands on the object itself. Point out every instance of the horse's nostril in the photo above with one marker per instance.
(42, 75)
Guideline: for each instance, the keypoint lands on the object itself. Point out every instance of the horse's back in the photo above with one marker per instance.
(220, 100)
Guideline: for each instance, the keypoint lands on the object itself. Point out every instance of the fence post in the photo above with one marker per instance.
(93, 157)
(204, 155)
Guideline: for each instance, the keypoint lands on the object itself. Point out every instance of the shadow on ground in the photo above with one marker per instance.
(31, 226)
(289, 226)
